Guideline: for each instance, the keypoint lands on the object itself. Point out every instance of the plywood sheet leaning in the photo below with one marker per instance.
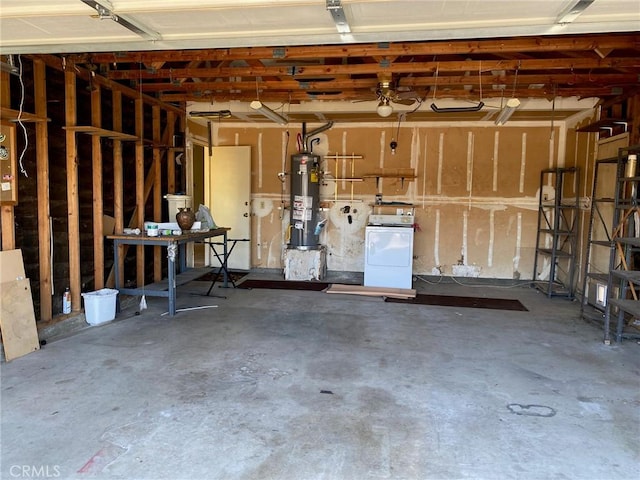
(372, 291)
(17, 320)
(11, 265)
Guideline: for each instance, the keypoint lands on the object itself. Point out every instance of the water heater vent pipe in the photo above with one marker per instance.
(313, 133)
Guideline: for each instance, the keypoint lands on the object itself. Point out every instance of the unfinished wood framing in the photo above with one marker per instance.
(44, 216)
(171, 154)
(7, 218)
(140, 184)
(118, 183)
(98, 197)
(147, 183)
(72, 191)
(157, 189)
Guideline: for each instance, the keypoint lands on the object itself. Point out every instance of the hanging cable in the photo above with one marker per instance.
(20, 122)
(480, 78)
(435, 84)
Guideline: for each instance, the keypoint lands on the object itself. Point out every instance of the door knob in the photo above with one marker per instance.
(246, 215)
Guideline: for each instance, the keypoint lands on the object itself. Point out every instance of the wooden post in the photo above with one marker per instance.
(98, 198)
(72, 188)
(6, 211)
(157, 190)
(140, 200)
(44, 212)
(171, 154)
(118, 178)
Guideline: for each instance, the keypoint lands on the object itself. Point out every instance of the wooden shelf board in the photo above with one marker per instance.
(405, 177)
(394, 205)
(344, 157)
(11, 115)
(101, 132)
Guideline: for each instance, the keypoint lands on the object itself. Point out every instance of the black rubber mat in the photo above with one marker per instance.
(284, 285)
(463, 302)
(209, 277)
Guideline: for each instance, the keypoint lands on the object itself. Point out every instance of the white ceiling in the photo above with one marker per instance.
(46, 26)
(71, 26)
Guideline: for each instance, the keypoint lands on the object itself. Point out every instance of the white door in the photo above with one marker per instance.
(228, 196)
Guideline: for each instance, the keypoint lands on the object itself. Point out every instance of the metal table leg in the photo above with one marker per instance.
(116, 269)
(171, 270)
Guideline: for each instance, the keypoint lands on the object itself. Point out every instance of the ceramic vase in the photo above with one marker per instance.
(185, 218)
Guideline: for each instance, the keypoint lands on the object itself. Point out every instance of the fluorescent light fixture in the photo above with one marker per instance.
(384, 109)
(267, 112)
(339, 18)
(573, 11)
(9, 66)
(211, 114)
(105, 12)
(505, 114)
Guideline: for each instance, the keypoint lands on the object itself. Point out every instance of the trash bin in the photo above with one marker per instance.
(176, 202)
(100, 306)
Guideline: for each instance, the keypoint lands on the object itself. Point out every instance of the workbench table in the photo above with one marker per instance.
(176, 246)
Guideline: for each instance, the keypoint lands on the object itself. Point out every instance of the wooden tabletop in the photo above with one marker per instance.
(184, 237)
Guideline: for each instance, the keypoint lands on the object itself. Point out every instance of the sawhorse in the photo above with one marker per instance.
(224, 261)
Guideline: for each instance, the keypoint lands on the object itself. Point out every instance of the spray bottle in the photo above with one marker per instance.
(66, 301)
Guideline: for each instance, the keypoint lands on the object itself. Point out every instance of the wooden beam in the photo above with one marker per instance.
(460, 93)
(72, 191)
(118, 182)
(98, 198)
(413, 81)
(140, 199)
(62, 64)
(568, 64)
(42, 179)
(171, 155)
(7, 218)
(133, 223)
(520, 44)
(157, 189)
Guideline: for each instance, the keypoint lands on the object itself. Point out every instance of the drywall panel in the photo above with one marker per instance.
(476, 191)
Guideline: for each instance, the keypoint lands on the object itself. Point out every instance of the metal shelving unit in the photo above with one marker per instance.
(595, 278)
(622, 309)
(556, 240)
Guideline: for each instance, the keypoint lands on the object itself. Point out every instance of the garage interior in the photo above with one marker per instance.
(502, 136)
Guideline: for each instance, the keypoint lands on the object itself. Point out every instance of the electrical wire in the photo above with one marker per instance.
(484, 285)
(24, 129)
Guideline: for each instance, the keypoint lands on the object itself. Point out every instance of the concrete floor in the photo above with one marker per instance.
(274, 384)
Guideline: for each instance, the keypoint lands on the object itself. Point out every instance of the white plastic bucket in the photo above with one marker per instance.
(100, 306)
(176, 202)
(151, 229)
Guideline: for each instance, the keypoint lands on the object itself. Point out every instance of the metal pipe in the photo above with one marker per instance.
(313, 133)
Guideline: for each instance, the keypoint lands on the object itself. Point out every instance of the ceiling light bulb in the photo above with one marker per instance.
(384, 109)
